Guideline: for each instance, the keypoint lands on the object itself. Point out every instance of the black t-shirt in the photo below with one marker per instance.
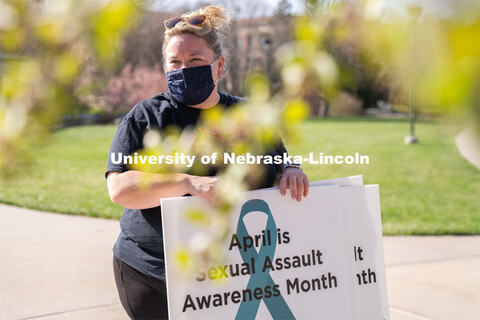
(140, 242)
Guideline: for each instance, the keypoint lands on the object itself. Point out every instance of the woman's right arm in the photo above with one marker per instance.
(141, 190)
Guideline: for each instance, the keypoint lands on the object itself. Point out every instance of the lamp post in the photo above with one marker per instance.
(414, 11)
(266, 46)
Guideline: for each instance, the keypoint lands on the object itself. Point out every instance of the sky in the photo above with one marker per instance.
(297, 5)
(441, 7)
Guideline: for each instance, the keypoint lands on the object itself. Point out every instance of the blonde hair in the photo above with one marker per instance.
(213, 30)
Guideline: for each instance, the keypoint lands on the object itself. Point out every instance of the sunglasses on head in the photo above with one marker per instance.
(197, 21)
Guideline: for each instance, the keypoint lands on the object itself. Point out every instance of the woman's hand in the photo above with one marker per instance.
(203, 187)
(297, 180)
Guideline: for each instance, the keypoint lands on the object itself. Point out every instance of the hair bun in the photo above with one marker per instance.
(219, 16)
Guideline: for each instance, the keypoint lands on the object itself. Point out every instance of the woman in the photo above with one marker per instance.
(194, 62)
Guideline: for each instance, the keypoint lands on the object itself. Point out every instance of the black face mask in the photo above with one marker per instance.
(191, 86)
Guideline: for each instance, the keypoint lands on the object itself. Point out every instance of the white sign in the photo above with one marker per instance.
(321, 258)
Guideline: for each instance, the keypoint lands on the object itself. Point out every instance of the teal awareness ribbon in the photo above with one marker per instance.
(277, 306)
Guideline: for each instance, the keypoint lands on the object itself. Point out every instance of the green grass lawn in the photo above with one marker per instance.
(424, 189)
(68, 175)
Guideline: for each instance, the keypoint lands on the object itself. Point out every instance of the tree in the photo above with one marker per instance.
(143, 44)
(282, 25)
(242, 53)
(313, 7)
(53, 45)
(367, 53)
(132, 86)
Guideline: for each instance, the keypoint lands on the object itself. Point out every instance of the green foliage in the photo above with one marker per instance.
(450, 77)
(363, 50)
(109, 25)
(51, 46)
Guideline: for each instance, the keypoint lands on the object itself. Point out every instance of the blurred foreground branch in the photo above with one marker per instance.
(48, 45)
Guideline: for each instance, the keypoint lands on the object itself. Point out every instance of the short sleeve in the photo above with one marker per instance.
(127, 139)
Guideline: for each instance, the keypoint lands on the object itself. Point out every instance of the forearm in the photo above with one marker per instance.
(280, 149)
(142, 190)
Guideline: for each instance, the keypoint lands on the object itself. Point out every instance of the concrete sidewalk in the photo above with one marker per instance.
(433, 277)
(56, 266)
(468, 145)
